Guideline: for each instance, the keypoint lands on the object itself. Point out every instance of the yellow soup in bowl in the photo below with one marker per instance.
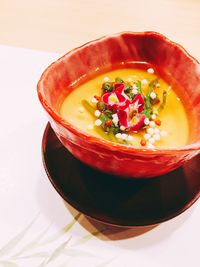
(131, 106)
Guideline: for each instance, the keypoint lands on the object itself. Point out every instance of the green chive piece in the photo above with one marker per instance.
(118, 80)
(127, 88)
(131, 95)
(139, 86)
(148, 107)
(88, 107)
(162, 105)
(103, 118)
(107, 87)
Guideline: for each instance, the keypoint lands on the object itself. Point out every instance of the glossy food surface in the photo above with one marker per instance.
(173, 116)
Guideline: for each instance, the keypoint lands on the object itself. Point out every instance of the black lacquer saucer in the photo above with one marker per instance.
(115, 200)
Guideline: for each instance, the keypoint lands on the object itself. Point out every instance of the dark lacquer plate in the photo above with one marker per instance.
(115, 200)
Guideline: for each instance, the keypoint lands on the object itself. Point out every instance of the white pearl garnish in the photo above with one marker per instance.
(150, 131)
(152, 124)
(81, 109)
(97, 113)
(135, 91)
(118, 135)
(122, 128)
(153, 116)
(156, 131)
(147, 136)
(156, 136)
(130, 138)
(124, 136)
(98, 122)
(94, 100)
(144, 81)
(151, 140)
(106, 79)
(153, 95)
(150, 70)
(146, 121)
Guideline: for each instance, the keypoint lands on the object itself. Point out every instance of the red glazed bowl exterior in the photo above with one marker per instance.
(83, 62)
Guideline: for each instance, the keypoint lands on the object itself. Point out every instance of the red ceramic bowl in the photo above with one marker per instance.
(84, 62)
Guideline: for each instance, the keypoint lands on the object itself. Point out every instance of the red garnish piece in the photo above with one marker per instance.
(119, 88)
(158, 122)
(130, 117)
(108, 123)
(143, 142)
(117, 98)
(97, 97)
(139, 102)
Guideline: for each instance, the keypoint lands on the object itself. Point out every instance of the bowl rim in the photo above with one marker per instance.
(99, 141)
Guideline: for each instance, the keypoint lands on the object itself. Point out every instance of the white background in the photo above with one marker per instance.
(26, 194)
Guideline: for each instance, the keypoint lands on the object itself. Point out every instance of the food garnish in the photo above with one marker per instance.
(126, 108)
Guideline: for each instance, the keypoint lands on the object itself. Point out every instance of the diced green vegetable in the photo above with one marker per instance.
(130, 95)
(108, 113)
(107, 87)
(103, 118)
(153, 83)
(101, 106)
(118, 80)
(127, 88)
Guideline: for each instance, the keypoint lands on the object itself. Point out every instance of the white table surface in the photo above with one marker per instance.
(33, 217)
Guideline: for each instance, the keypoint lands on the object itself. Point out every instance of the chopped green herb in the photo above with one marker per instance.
(127, 88)
(101, 106)
(148, 105)
(118, 80)
(103, 118)
(139, 86)
(114, 129)
(162, 105)
(107, 87)
(109, 123)
(108, 113)
(130, 95)
(152, 85)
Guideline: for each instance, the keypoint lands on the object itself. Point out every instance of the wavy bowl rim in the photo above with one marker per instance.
(98, 141)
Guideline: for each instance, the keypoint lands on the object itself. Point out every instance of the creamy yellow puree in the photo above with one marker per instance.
(173, 117)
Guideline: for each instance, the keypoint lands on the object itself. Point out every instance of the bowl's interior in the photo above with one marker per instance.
(107, 52)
